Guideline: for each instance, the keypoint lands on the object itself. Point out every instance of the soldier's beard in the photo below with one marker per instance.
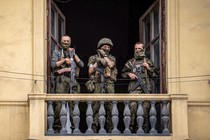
(139, 55)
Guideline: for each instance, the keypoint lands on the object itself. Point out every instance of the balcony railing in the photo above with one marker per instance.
(167, 115)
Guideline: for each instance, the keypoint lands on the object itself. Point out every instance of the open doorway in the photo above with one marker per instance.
(87, 21)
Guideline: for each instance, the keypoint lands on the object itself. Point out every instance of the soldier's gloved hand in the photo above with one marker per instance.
(102, 52)
(102, 61)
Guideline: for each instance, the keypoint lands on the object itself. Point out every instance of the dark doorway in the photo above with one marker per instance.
(87, 21)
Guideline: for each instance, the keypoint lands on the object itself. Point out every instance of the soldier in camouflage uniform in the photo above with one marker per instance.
(148, 70)
(61, 65)
(106, 61)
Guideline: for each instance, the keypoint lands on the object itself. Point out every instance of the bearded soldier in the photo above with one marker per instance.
(62, 61)
(139, 69)
(102, 73)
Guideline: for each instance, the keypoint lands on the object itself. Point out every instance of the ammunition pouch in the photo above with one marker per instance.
(111, 73)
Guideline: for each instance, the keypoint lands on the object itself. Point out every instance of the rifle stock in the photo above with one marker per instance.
(73, 68)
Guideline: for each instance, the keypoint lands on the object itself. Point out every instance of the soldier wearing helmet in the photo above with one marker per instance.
(107, 63)
(105, 41)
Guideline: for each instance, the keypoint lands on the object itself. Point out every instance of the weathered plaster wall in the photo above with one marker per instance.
(16, 49)
(188, 31)
(22, 45)
(194, 30)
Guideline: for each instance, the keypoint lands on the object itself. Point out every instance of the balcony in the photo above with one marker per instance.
(167, 116)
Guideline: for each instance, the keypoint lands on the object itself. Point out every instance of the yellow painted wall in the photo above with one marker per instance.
(195, 55)
(14, 120)
(16, 48)
(198, 122)
(15, 56)
(195, 47)
(188, 32)
(22, 39)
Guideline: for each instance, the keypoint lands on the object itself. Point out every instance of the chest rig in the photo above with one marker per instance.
(137, 66)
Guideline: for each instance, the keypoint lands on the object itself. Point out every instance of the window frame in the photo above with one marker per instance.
(53, 38)
(160, 6)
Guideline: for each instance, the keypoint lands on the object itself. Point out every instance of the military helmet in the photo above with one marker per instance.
(104, 41)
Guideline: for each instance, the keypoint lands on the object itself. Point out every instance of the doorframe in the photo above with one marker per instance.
(161, 37)
(56, 39)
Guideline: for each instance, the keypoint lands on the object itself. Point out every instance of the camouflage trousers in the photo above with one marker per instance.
(109, 88)
(63, 86)
(133, 109)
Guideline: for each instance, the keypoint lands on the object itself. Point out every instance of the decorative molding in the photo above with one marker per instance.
(39, 96)
(173, 46)
(179, 96)
(105, 97)
(13, 103)
(198, 102)
(106, 137)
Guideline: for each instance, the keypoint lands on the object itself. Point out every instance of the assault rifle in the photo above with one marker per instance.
(100, 69)
(102, 83)
(71, 85)
(139, 81)
(73, 68)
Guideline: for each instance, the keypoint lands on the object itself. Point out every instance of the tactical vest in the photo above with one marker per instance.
(110, 74)
(138, 64)
(65, 55)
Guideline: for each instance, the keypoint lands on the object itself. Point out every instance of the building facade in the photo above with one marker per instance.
(24, 69)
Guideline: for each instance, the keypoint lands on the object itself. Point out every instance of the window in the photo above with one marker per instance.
(151, 34)
(55, 31)
(87, 26)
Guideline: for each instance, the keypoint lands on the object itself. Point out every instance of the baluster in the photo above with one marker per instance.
(68, 122)
(63, 117)
(89, 118)
(115, 118)
(165, 117)
(140, 118)
(50, 118)
(102, 118)
(76, 118)
(153, 118)
(127, 118)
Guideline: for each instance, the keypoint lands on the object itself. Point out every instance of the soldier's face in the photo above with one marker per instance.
(65, 42)
(139, 52)
(138, 48)
(106, 48)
